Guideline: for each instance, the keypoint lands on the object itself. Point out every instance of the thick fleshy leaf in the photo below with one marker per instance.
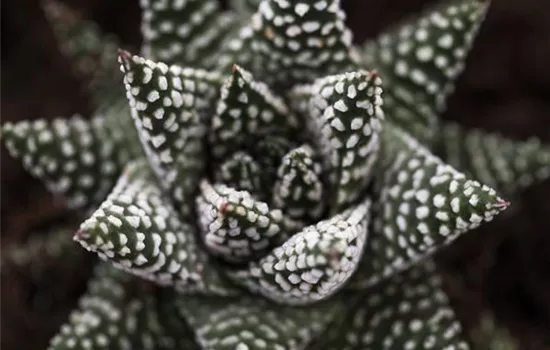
(241, 172)
(489, 334)
(314, 263)
(171, 106)
(298, 190)
(54, 244)
(244, 7)
(505, 164)
(110, 316)
(256, 323)
(237, 49)
(301, 41)
(93, 53)
(237, 227)
(185, 32)
(345, 118)
(422, 205)
(138, 230)
(409, 311)
(269, 152)
(246, 112)
(77, 159)
(420, 61)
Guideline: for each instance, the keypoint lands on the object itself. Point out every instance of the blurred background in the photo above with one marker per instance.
(504, 268)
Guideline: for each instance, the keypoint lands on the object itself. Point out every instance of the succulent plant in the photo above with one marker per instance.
(489, 335)
(286, 188)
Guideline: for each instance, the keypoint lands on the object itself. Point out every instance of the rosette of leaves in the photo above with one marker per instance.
(281, 185)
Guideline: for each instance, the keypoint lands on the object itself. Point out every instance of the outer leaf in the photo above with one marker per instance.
(236, 226)
(314, 263)
(300, 41)
(420, 61)
(345, 118)
(248, 111)
(423, 204)
(93, 53)
(138, 230)
(255, 323)
(409, 311)
(184, 32)
(489, 335)
(77, 159)
(244, 7)
(237, 49)
(172, 106)
(502, 163)
(109, 317)
(53, 244)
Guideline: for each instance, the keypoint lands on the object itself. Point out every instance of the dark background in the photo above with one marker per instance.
(504, 267)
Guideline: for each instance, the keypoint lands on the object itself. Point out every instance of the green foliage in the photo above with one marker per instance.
(285, 195)
(488, 335)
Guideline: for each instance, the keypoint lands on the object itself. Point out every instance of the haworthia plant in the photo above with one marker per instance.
(286, 188)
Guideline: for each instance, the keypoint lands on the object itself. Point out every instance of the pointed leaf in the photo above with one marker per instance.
(77, 159)
(420, 61)
(314, 263)
(409, 311)
(109, 317)
(140, 232)
(491, 335)
(505, 164)
(345, 121)
(244, 7)
(422, 205)
(301, 41)
(255, 323)
(237, 227)
(171, 110)
(186, 32)
(247, 111)
(241, 172)
(269, 152)
(54, 244)
(93, 53)
(298, 190)
(237, 49)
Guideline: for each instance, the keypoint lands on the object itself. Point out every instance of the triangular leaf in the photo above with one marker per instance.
(345, 116)
(244, 7)
(171, 107)
(54, 244)
(301, 41)
(247, 111)
(77, 159)
(505, 164)
(269, 151)
(237, 227)
(241, 172)
(420, 61)
(409, 311)
(110, 316)
(422, 205)
(140, 232)
(186, 32)
(237, 49)
(255, 323)
(313, 264)
(93, 53)
(298, 190)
